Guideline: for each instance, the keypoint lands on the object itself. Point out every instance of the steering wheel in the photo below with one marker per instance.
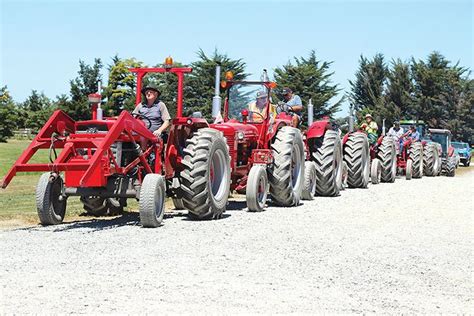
(261, 115)
(143, 118)
(280, 108)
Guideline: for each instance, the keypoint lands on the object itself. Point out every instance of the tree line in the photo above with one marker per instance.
(434, 90)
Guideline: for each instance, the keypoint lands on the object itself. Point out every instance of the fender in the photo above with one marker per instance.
(318, 129)
(450, 151)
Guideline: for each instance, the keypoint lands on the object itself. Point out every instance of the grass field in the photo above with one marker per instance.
(17, 201)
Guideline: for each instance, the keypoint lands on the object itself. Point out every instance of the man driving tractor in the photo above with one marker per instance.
(259, 107)
(294, 104)
(155, 111)
(371, 128)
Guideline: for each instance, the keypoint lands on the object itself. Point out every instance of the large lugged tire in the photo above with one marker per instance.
(152, 200)
(449, 166)
(178, 204)
(357, 158)
(387, 154)
(50, 205)
(415, 152)
(328, 159)
(205, 180)
(431, 160)
(287, 171)
(257, 188)
(309, 187)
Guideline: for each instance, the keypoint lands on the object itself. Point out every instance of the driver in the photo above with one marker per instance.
(259, 106)
(154, 110)
(293, 103)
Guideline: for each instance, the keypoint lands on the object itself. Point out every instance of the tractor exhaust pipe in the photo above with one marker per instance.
(310, 113)
(383, 127)
(351, 118)
(216, 100)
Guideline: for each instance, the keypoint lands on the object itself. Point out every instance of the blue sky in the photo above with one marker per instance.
(42, 41)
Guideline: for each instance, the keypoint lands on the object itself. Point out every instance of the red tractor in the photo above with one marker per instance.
(267, 153)
(377, 162)
(106, 160)
(410, 159)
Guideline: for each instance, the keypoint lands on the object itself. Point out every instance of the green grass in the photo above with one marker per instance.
(17, 201)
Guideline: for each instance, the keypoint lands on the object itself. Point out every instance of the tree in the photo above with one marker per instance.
(399, 92)
(367, 93)
(120, 91)
(35, 111)
(83, 85)
(310, 79)
(199, 87)
(8, 115)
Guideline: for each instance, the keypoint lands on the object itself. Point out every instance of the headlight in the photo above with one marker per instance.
(240, 135)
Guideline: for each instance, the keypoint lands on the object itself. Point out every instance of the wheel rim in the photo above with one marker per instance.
(55, 197)
(159, 201)
(218, 175)
(261, 190)
(295, 166)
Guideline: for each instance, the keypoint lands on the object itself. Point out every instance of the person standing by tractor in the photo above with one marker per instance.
(396, 132)
(294, 104)
(155, 111)
(371, 128)
(259, 106)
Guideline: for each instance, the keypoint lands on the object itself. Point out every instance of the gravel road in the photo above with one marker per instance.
(393, 248)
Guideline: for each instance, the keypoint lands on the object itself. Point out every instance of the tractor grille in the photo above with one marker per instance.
(231, 143)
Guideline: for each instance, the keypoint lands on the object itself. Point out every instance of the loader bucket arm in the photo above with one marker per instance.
(59, 123)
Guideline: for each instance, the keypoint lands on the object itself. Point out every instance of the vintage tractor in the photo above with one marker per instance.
(377, 161)
(106, 160)
(448, 160)
(267, 153)
(431, 150)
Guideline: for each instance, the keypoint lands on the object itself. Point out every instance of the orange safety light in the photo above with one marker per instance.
(229, 75)
(168, 61)
(272, 85)
(223, 84)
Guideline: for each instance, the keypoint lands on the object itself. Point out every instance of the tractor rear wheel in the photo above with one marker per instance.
(178, 204)
(51, 206)
(328, 159)
(287, 171)
(449, 166)
(152, 200)
(415, 152)
(409, 169)
(257, 188)
(357, 158)
(387, 154)
(309, 187)
(205, 180)
(99, 206)
(375, 171)
(431, 160)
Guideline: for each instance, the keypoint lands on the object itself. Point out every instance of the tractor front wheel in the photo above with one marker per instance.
(449, 166)
(409, 169)
(152, 200)
(375, 171)
(287, 172)
(205, 180)
(257, 188)
(309, 187)
(50, 204)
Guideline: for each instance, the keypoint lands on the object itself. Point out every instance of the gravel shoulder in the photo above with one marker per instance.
(393, 248)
